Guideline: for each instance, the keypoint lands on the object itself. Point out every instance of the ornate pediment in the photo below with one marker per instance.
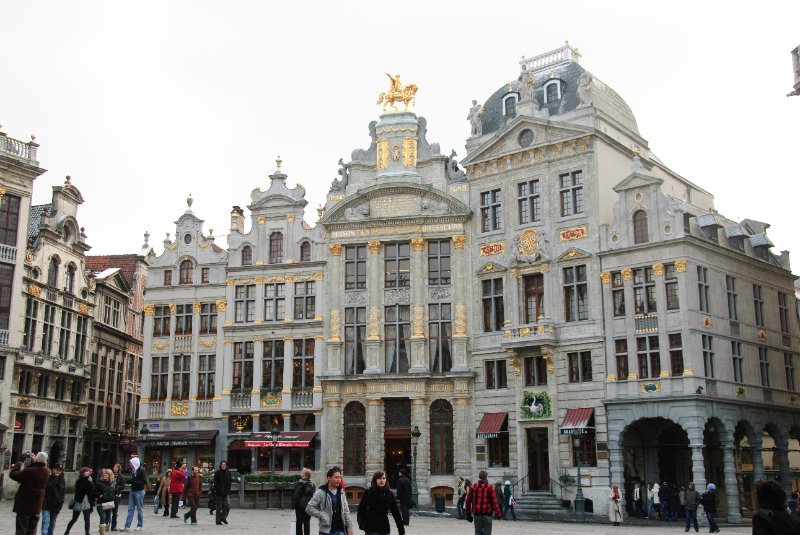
(637, 180)
(573, 253)
(491, 267)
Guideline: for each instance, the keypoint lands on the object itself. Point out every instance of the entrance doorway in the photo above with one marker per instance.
(538, 459)
(397, 438)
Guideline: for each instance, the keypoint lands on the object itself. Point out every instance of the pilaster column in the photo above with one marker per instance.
(333, 321)
(291, 252)
(731, 483)
(286, 392)
(615, 460)
(332, 429)
(374, 428)
(758, 461)
(458, 284)
(258, 367)
(461, 437)
(318, 350)
(419, 417)
(375, 301)
(782, 446)
(419, 274)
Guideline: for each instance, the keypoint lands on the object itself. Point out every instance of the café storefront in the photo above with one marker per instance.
(163, 449)
(287, 451)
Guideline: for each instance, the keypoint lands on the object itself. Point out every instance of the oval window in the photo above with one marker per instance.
(187, 239)
(526, 138)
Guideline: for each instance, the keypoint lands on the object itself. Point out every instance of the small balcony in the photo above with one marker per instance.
(645, 323)
(4, 337)
(183, 342)
(204, 408)
(156, 410)
(8, 254)
(303, 398)
(543, 332)
(240, 400)
(18, 149)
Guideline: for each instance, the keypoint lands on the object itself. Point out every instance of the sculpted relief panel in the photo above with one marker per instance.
(395, 205)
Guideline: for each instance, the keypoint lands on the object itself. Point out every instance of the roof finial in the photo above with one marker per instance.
(146, 238)
(320, 211)
(279, 162)
(68, 179)
(189, 201)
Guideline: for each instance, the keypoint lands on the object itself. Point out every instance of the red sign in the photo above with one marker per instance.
(573, 233)
(491, 248)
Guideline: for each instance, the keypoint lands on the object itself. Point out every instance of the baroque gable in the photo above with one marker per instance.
(491, 267)
(573, 253)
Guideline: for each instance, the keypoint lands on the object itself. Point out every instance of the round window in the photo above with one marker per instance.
(526, 138)
(187, 239)
(36, 273)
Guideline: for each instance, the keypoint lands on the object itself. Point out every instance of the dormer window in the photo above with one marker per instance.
(552, 91)
(510, 105)
(711, 234)
(276, 248)
(69, 281)
(736, 242)
(640, 234)
(247, 256)
(186, 272)
(305, 251)
(762, 252)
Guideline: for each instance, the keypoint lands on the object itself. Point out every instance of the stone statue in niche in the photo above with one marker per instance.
(454, 174)
(357, 212)
(367, 155)
(585, 89)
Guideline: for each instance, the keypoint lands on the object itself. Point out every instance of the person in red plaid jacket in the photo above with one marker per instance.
(481, 504)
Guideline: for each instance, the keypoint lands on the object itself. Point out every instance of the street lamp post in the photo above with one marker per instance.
(143, 432)
(274, 432)
(415, 434)
(580, 510)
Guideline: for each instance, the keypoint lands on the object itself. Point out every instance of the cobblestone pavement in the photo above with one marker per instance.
(276, 522)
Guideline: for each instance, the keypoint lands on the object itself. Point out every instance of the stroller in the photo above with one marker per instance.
(212, 499)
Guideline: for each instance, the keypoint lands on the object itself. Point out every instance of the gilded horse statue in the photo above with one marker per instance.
(397, 93)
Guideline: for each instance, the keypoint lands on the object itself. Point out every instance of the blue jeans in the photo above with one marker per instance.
(135, 503)
(332, 533)
(691, 518)
(48, 521)
(506, 509)
(460, 507)
(114, 513)
(105, 516)
(176, 497)
(712, 524)
(665, 510)
(650, 505)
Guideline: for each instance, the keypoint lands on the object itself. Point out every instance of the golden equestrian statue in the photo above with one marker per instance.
(397, 93)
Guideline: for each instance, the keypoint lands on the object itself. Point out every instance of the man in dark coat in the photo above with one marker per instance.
(404, 496)
(222, 487)
(30, 496)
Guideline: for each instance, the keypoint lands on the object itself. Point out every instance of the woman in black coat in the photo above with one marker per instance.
(303, 491)
(84, 488)
(376, 503)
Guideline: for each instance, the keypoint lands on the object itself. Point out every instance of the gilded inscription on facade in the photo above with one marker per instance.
(395, 205)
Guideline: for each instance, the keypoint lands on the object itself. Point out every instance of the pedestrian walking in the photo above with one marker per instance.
(682, 502)
(376, 504)
(481, 504)
(30, 496)
(508, 501)
(83, 500)
(404, 496)
(136, 496)
(176, 484)
(637, 500)
(54, 492)
(462, 494)
(709, 502)
(614, 510)
(119, 486)
(773, 516)
(664, 496)
(655, 502)
(191, 494)
(691, 503)
(222, 488)
(303, 491)
(162, 493)
(104, 498)
(329, 506)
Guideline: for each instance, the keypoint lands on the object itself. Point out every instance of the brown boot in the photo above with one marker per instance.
(102, 529)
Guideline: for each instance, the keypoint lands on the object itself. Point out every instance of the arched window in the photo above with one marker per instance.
(186, 271)
(305, 251)
(69, 282)
(640, 227)
(441, 438)
(52, 272)
(247, 255)
(510, 106)
(276, 248)
(355, 418)
(552, 91)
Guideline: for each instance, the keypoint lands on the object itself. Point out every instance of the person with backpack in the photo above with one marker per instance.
(376, 503)
(773, 516)
(481, 504)
(303, 491)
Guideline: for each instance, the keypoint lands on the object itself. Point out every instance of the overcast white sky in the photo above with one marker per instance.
(145, 102)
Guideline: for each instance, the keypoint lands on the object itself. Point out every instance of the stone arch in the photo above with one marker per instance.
(655, 448)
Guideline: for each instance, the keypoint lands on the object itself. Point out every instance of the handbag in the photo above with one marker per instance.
(512, 502)
(293, 524)
(71, 504)
(107, 506)
(156, 504)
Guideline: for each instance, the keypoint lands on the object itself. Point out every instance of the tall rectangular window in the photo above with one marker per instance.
(788, 363)
(242, 367)
(168, 277)
(158, 378)
(438, 262)
(206, 372)
(737, 361)
(9, 219)
(575, 294)
(440, 334)
(31, 315)
(763, 365)
(6, 282)
(208, 318)
(495, 374)
(244, 303)
(649, 357)
(535, 371)
(708, 356)
(644, 290)
(676, 354)
(758, 305)
(355, 267)
(618, 294)
(491, 210)
(111, 311)
(571, 193)
(534, 297)
(183, 318)
(530, 209)
(304, 300)
(355, 338)
(181, 374)
(42, 389)
(64, 334)
(161, 320)
(580, 366)
(397, 263)
(397, 336)
(274, 302)
(80, 337)
(303, 364)
(621, 357)
(493, 311)
(272, 365)
(48, 327)
(730, 288)
(671, 287)
(204, 275)
(703, 288)
(783, 312)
